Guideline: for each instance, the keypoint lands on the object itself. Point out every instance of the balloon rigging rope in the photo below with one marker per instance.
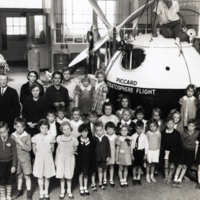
(181, 52)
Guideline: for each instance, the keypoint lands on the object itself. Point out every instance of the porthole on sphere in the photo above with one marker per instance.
(133, 59)
(167, 68)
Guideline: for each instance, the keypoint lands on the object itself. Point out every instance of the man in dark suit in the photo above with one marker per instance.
(9, 102)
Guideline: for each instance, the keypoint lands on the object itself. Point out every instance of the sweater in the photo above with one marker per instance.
(23, 153)
(154, 140)
(189, 141)
(8, 151)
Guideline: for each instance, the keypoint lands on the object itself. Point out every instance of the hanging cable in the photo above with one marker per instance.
(181, 52)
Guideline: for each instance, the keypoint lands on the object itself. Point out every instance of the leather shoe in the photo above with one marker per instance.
(18, 194)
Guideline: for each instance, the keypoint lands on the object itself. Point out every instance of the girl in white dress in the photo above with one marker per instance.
(65, 159)
(43, 168)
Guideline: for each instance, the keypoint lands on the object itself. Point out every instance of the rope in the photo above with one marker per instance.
(181, 52)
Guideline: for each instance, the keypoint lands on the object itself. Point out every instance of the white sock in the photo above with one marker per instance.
(179, 180)
(175, 178)
(152, 175)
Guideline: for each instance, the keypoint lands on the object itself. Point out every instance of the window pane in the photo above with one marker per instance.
(16, 21)
(9, 21)
(16, 31)
(22, 21)
(9, 30)
(23, 30)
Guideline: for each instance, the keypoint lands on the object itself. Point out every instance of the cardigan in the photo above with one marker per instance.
(8, 151)
(9, 106)
(25, 91)
(51, 97)
(23, 153)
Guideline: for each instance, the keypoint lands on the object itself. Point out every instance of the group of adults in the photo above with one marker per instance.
(34, 103)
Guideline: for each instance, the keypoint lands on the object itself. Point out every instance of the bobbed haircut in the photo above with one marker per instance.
(34, 85)
(65, 124)
(110, 125)
(107, 104)
(152, 121)
(124, 97)
(139, 109)
(43, 122)
(191, 86)
(82, 128)
(32, 72)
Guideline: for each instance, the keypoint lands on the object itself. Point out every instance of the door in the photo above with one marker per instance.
(38, 41)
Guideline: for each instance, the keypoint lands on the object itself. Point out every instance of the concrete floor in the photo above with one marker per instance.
(154, 191)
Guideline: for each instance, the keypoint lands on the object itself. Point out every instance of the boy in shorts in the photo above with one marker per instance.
(187, 155)
(139, 148)
(24, 169)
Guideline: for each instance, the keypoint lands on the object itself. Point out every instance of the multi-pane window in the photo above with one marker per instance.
(16, 25)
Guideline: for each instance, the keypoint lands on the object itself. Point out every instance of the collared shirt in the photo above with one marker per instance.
(142, 142)
(175, 126)
(3, 89)
(24, 134)
(4, 140)
(167, 15)
(125, 122)
(99, 137)
(60, 121)
(98, 85)
(169, 131)
(52, 130)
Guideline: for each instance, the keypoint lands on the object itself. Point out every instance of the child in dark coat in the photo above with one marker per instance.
(102, 150)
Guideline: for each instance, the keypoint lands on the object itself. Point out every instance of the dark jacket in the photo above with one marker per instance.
(9, 106)
(25, 91)
(102, 150)
(33, 111)
(53, 95)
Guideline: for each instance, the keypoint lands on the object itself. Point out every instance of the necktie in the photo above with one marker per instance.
(136, 143)
(2, 91)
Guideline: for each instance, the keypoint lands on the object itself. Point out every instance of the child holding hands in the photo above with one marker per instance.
(23, 144)
(8, 162)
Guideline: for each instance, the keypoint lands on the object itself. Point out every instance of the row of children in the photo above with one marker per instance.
(102, 150)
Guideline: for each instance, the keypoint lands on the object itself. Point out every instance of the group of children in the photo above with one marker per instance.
(65, 147)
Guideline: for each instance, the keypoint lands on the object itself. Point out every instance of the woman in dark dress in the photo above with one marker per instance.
(32, 77)
(34, 109)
